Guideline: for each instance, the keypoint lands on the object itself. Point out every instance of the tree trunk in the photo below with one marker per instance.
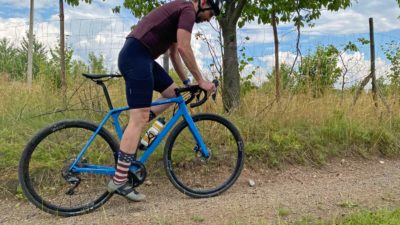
(62, 50)
(276, 42)
(373, 76)
(30, 47)
(231, 77)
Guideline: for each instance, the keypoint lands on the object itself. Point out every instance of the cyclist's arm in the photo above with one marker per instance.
(185, 50)
(177, 62)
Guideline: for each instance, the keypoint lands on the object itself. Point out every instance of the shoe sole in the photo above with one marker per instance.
(118, 193)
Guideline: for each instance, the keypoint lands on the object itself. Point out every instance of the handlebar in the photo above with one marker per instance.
(195, 91)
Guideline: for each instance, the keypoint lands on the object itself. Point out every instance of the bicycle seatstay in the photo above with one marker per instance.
(182, 111)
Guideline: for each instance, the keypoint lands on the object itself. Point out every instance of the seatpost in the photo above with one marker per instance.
(101, 83)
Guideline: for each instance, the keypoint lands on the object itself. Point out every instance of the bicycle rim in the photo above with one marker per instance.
(189, 171)
(46, 160)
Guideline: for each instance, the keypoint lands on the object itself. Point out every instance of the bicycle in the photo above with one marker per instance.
(65, 167)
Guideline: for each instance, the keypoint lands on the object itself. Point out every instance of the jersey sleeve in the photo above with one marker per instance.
(187, 19)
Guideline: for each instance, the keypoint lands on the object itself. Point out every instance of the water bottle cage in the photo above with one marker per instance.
(150, 136)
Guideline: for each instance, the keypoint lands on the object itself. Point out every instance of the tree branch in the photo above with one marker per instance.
(238, 10)
(362, 85)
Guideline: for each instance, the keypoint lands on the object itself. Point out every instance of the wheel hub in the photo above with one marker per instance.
(199, 154)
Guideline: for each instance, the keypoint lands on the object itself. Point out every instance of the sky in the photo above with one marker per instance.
(94, 28)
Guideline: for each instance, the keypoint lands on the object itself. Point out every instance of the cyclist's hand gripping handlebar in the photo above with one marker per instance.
(216, 83)
(204, 99)
(196, 91)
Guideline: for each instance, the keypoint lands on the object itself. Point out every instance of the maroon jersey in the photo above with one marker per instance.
(157, 31)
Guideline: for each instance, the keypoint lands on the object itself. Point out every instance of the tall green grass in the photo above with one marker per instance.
(305, 130)
(299, 129)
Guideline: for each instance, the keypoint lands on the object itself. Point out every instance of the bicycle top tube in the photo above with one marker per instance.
(194, 91)
(177, 100)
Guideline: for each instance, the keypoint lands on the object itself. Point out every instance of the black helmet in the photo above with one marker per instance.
(216, 6)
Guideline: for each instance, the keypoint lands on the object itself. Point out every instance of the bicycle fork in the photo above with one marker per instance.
(196, 134)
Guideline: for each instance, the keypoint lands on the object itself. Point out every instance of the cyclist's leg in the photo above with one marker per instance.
(163, 84)
(138, 119)
(135, 64)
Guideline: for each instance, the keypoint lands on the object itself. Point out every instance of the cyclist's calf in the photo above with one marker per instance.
(138, 119)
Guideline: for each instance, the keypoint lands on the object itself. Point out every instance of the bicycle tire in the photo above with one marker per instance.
(180, 167)
(34, 167)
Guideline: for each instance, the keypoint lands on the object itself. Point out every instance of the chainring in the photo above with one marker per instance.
(137, 178)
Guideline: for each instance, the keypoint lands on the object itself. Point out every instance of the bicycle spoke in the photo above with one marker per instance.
(53, 155)
(196, 175)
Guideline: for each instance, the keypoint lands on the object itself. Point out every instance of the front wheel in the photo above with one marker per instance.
(195, 175)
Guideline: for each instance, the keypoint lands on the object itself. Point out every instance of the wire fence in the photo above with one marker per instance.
(105, 36)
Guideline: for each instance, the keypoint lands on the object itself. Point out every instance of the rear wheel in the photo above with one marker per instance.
(195, 175)
(44, 165)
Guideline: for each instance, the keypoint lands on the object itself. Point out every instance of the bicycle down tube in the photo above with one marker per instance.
(114, 113)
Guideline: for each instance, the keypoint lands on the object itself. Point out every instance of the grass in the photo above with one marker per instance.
(300, 129)
(347, 204)
(283, 212)
(387, 217)
(197, 219)
(304, 130)
(363, 217)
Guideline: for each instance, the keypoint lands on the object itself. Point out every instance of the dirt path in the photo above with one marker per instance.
(337, 189)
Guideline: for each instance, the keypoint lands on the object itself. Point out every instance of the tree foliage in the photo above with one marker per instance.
(237, 13)
(392, 53)
(319, 71)
(54, 64)
(299, 11)
(287, 79)
(140, 8)
(76, 2)
(46, 63)
(96, 64)
(12, 64)
(13, 60)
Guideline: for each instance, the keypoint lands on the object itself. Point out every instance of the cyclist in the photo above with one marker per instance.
(167, 27)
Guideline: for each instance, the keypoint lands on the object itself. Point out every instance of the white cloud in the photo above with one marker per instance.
(260, 35)
(284, 58)
(19, 4)
(358, 67)
(13, 29)
(355, 19)
(94, 28)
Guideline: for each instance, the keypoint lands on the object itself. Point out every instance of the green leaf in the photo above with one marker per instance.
(116, 9)
(363, 41)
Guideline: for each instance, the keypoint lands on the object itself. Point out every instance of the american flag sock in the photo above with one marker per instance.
(124, 161)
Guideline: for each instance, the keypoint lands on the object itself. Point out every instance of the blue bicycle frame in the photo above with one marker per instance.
(114, 113)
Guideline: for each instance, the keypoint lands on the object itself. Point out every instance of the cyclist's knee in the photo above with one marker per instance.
(140, 117)
(170, 91)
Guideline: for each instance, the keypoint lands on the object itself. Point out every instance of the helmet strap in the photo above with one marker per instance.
(199, 9)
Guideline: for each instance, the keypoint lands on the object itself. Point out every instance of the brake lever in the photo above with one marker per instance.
(214, 95)
(198, 96)
(202, 101)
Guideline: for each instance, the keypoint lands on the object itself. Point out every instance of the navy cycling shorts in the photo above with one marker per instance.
(141, 73)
